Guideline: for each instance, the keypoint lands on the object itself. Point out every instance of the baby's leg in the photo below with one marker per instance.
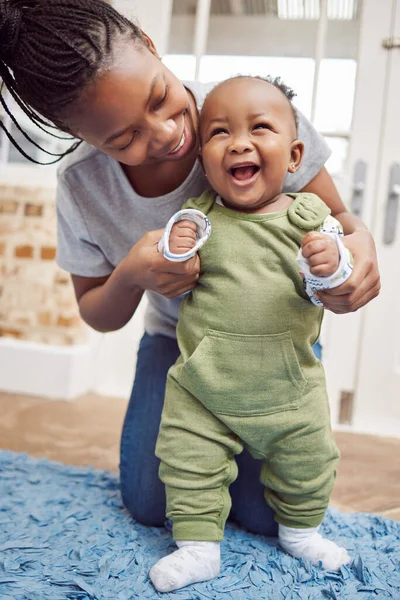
(299, 477)
(197, 465)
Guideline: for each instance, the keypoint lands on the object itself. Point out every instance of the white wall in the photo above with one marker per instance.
(105, 364)
(153, 16)
(264, 36)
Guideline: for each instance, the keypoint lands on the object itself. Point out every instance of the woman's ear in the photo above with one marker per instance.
(149, 43)
(296, 156)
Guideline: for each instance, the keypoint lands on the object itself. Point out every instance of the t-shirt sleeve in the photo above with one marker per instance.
(316, 153)
(76, 251)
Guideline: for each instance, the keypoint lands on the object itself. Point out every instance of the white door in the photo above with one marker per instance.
(363, 350)
(377, 401)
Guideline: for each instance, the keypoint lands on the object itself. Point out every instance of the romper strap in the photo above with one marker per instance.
(307, 211)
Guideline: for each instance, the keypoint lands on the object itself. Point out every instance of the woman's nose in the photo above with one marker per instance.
(164, 133)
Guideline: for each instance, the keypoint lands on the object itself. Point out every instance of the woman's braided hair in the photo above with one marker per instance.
(49, 51)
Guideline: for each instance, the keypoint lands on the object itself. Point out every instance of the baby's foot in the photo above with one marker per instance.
(310, 545)
(192, 563)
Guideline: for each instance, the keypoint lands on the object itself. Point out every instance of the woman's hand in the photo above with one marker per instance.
(146, 268)
(364, 283)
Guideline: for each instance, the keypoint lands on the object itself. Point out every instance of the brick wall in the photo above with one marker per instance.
(37, 301)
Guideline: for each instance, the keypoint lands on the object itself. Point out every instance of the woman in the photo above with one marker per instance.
(95, 75)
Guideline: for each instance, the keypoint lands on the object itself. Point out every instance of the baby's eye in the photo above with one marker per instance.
(218, 131)
(262, 126)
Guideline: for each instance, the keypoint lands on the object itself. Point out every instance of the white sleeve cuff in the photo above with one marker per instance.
(203, 227)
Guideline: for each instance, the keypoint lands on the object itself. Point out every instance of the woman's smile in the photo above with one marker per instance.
(185, 144)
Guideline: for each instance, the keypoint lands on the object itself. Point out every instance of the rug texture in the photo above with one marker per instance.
(65, 534)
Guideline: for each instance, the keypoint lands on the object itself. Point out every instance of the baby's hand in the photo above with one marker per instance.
(322, 253)
(182, 237)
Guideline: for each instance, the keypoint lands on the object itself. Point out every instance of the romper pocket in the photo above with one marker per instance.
(244, 375)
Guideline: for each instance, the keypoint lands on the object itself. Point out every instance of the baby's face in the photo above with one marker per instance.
(247, 134)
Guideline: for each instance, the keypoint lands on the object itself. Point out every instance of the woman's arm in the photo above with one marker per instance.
(364, 283)
(107, 303)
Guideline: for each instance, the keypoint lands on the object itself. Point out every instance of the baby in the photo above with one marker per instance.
(247, 374)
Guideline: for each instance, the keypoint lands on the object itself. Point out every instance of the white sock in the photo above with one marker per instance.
(192, 563)
(310, 545)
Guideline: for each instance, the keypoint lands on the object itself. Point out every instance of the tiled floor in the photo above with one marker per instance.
(87, 431)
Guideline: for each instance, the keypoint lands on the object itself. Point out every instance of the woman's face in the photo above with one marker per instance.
(137, 111)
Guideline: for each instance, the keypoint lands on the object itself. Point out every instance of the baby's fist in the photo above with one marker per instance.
(182, 237)
(321, 252)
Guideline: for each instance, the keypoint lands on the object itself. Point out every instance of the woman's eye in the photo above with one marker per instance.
(163, 99)
(218, 131)
(128, 144)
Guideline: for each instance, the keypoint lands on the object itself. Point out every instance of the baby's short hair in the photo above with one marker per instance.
(276, 82)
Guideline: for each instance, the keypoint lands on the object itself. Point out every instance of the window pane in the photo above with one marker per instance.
(336, 163)
(335, 96)
(182, 65)
(296, 72)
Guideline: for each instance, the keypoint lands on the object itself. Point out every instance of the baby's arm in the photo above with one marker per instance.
(322, 253)
(182, 237)
(323, 259)
(186, 232)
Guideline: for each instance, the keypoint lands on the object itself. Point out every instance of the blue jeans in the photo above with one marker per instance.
(142, 491)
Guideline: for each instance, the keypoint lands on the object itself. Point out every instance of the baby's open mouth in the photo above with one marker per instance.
(244, 172)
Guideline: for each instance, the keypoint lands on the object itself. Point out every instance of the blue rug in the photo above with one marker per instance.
(65, 534)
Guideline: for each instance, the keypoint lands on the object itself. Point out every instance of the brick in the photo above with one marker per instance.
(23, 251)
(68, 321)
(45, 318)
(8, 207)
(37, 300)
(47, 253)
(22, 321)
(9, 226)
(33, 210)
(62, 279)
(8, 332)
(11, 271)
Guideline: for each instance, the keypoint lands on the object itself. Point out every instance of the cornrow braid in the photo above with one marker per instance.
(50, 50)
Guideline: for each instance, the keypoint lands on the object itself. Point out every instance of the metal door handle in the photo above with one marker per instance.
(391, 42)
(358, 187)
(392, 205)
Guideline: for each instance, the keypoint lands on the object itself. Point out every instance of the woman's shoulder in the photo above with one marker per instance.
(80, 160)
(199, 90)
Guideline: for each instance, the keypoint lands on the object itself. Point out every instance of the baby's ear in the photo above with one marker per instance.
(296, 156)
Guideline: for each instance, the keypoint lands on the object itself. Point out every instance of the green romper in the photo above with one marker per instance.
(247, 376)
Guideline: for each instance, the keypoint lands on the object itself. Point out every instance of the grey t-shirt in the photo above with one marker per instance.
(100, 216)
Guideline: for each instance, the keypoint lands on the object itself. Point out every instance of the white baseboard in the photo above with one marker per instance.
(105, 364)
(59, 372)
(380, 429)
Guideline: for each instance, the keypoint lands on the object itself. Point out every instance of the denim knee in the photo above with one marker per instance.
(142, 491)
(146, 506)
